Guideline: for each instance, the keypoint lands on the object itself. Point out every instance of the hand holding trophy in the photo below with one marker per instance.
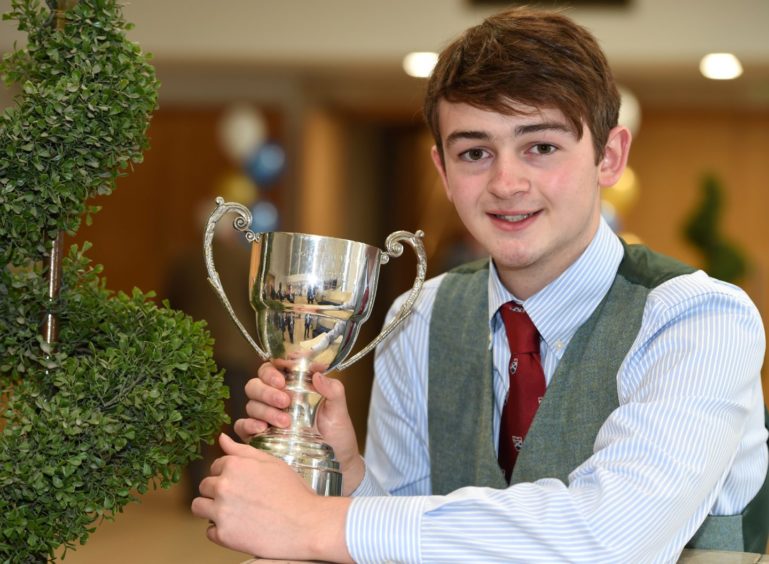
(311, 294)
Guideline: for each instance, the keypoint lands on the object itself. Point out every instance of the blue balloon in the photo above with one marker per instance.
(264, 217)
(265, 164)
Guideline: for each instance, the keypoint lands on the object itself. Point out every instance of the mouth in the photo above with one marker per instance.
(514, 218)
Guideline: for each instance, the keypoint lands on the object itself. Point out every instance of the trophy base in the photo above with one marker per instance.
(313, 460)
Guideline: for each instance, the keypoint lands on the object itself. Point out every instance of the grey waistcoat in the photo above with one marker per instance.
(580, 397)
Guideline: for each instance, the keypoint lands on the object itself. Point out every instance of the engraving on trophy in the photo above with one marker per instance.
(311, 295)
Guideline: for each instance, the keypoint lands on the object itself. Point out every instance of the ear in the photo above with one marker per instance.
(615, 156)
(441, 168)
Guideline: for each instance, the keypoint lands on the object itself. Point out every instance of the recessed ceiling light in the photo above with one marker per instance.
(420, 63)
(720, 66)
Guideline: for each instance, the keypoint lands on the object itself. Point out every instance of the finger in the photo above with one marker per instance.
(236, 449)
(271, 376)
(332, 390)
(213, 534)
(329, 388)
(206, 487)
(283, 365)
(246, 429)
(267, 414)
(259, 391)
(202, 507)
(216, 469)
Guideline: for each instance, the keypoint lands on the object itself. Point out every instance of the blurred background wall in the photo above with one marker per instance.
(326, 82)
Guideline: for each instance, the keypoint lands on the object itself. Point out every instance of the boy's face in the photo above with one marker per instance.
(525, 187)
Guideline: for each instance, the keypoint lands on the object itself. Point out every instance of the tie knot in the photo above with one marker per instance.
(522, 335)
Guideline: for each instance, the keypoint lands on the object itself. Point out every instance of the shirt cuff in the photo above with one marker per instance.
(384, 529)
(369, 486)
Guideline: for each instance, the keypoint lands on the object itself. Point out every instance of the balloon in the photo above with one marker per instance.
(237, 187)
(623, 194)
(265, 164)
(629, 110)
(241, 130)
(264, 217)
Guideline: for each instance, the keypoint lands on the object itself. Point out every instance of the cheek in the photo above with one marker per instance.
(464, 199)
(571, 185)
(458, 190)
(449, 193)
(461, 203)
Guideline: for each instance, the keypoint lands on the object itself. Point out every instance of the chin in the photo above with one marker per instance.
(512, 261)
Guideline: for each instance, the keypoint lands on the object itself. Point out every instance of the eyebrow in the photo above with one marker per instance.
(455, 136)
(548, 125)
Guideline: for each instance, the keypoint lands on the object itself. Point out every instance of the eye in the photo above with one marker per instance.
(473, 154)
(543, 149)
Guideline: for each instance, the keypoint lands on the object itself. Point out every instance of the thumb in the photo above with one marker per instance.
(332, 390)
(231, 447)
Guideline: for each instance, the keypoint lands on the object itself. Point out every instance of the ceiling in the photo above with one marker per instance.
(349, 51)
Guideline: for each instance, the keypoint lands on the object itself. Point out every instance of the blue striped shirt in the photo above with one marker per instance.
(688, 438)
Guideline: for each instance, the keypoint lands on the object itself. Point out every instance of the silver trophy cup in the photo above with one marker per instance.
(311, 295)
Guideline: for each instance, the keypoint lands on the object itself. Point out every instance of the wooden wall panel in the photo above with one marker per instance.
(155, 212)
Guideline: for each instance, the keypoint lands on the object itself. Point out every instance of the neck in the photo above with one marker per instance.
(526, 281)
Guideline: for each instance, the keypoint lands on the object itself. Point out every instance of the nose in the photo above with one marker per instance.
(508, 177)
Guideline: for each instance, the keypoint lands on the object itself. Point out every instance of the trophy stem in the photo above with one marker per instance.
(303, 408)
(300, 445)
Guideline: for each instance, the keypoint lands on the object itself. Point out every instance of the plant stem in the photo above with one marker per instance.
(50, 323)
(61, 7)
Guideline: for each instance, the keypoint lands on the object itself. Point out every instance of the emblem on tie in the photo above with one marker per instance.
(517, 443)
(513, 366)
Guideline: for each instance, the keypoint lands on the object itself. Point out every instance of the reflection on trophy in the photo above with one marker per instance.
(311, 294)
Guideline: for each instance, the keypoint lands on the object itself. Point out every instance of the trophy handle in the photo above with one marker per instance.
(241, 223)
(395, 249)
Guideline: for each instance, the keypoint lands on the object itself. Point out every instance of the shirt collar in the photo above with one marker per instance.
(562, 306)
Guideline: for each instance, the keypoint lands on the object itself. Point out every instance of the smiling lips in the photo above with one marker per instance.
(514, 218)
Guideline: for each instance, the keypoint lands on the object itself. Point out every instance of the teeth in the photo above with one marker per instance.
(515, 218)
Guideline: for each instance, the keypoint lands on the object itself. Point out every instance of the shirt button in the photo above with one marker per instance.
(559, 345)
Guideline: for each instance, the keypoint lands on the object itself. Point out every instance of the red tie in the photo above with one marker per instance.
(527, 384)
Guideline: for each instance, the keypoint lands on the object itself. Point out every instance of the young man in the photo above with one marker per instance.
(651, 430)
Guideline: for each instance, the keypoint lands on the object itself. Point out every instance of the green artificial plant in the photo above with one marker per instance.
(722, 258)
(121, 400)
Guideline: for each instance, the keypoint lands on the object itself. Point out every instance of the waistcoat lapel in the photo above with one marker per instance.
(460, 391)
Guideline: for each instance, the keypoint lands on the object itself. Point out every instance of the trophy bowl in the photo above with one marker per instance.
(310, 294)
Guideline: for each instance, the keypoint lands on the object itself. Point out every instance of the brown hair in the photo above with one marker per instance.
(537, 58)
